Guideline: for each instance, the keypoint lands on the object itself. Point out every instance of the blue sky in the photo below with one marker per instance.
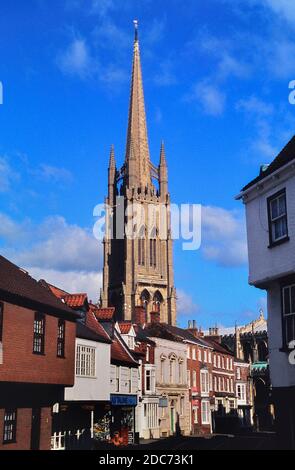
(216, 78)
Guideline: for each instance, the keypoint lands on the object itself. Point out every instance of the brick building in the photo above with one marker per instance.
(223, 384)
(199, 369)
(37, 345)
(244, 393)
(147, 410)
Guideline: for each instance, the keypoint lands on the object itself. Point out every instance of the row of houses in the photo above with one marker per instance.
(71, 375)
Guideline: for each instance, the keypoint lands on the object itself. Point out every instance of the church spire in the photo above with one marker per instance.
(163, 176)
(137, 128)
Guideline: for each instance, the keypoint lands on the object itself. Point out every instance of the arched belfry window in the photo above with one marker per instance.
(157, 301)
(141, 247)
(144, 299)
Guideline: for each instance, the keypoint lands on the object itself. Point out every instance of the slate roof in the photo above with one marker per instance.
(218, 347)
(174, 333)
(87, 333)
(286, 155)
(19, 288)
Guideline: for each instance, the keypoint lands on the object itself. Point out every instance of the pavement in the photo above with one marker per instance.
(255, 441)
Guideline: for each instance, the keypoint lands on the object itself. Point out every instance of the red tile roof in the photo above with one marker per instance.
(125, 327)
(75, 300)
(120, 355)
(93, 324)
(56, 290)
(105, 313)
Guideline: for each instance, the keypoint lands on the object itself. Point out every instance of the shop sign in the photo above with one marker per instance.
(124, 400)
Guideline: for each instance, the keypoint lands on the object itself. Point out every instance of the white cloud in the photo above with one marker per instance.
(7, 175)
(280, 55)
(256, 106)
(155, 32)
(53, 173)
(65, 255)
(165, 75)
(108, 34)
(209, 97)
(102, 7)
(77, 59)
(185, 304)
(71, 281)
(113, 74)
(53, 244)
(224, 236)
(285, 8)
(227, 59)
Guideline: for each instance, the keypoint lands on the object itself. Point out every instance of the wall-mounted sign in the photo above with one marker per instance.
(163, 402)
(124, 400)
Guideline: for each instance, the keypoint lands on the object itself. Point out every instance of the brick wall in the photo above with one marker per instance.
(19, 362)
(23, 430)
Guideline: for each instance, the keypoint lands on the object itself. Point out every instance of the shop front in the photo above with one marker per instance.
(122, 426)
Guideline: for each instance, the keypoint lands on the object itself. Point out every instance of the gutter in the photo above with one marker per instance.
(265, 179)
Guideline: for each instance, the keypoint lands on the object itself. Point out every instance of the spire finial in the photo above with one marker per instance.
(135, 22)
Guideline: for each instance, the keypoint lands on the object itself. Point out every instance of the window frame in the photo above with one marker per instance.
(61, 340)
(271, 221)
(38, 335)
(205, 382)
(286, 285)
(83, 363)
(207, 411)
(12, 422)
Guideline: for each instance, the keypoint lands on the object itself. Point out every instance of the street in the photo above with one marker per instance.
(216, 442)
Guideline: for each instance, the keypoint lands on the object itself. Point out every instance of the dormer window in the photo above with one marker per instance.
(130, 342)
(277, 215)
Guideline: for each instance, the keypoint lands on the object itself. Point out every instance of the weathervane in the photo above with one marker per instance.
(135, 22)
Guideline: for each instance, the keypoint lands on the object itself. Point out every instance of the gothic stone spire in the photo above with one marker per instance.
(137, 127)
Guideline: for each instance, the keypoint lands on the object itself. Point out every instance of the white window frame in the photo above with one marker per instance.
(281, 218)
(288, 313)
(205, 386)
(85, 361)
(205, 412)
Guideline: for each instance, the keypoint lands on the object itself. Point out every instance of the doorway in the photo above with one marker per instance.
(35, 428)
(172, 417)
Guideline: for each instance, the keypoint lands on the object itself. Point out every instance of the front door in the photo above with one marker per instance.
(172, 420)
(35, 429)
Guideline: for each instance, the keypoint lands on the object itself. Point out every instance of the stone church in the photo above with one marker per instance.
(138, 270)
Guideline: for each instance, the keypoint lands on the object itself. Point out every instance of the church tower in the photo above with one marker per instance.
(138, 269)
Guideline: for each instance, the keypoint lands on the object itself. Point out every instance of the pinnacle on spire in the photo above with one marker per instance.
(137, 127)
(162, 171)
(162, 155)
(112, 163)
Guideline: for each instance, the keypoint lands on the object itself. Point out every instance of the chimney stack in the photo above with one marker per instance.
(140, 316)
(155, 317)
